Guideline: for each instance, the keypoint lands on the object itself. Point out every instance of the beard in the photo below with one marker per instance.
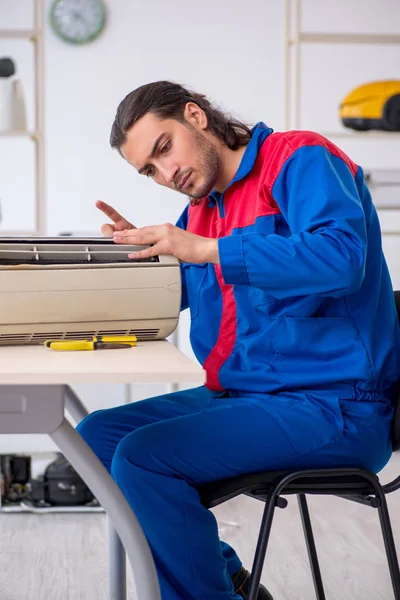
(209, 167)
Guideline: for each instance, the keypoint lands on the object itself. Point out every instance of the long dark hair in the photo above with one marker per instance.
(167, 100)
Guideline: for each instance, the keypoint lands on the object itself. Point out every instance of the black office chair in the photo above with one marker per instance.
(356, 485)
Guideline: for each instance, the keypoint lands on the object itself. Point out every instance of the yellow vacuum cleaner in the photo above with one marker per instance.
(374, 105)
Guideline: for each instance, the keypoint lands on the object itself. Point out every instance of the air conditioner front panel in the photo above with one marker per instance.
(88, 305)
(69, 280)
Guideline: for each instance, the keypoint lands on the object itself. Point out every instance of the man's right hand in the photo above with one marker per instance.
(119, 223)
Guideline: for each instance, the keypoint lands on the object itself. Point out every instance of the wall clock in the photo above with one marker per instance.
(78, 21)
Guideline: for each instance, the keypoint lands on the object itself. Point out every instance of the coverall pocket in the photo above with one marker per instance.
(319, 351)
(309, 420)
(366, 415)
(195, 275)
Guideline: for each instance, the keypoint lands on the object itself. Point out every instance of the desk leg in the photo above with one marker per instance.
(116, 565)
(96, 476)
(116, 551)
(74, 405)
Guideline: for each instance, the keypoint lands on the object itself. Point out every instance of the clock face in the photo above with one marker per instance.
(77, 21)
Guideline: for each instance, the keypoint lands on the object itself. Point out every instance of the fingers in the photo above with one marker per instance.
(142, 236)
(147, 252)
(109, 211)
(107, 230)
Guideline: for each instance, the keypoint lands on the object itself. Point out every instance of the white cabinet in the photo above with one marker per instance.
(391, 248)
(390, 225)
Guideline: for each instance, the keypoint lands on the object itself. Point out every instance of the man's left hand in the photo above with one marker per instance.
(169, 239)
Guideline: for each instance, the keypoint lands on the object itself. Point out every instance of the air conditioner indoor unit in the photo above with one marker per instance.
(73, 288)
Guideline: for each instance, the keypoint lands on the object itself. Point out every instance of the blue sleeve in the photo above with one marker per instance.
(182, 223)
(325, 254)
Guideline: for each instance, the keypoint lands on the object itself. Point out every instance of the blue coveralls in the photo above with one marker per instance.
(300, 342)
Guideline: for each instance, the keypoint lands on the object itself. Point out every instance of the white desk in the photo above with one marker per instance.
(34, 393)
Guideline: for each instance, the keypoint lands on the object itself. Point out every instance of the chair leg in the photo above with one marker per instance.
(311, 548)
(389, 545)
(262, 544)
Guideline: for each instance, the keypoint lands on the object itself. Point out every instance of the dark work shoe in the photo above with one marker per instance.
(241, 581)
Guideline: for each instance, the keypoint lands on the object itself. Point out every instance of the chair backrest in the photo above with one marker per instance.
(396, 418)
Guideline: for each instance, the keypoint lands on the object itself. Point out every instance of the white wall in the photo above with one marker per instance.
(146, 41)
(232, 51)
(236, 58)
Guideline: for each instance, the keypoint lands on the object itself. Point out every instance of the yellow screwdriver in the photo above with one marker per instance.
(83, 345)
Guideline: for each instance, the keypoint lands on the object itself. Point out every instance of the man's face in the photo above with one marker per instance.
(177, 155)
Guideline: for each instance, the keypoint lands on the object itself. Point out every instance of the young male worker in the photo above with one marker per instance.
(292, 317)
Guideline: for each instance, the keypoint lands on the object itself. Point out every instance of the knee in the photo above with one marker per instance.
(125, 451)
(136, 450)
(91, 429)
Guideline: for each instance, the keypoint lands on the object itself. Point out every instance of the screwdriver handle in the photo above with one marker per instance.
(70, 345)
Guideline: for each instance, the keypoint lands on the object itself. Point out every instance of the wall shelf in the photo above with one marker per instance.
(345, 38)
(21, 34)
(33, 135)
(363, 135)
(36, 36)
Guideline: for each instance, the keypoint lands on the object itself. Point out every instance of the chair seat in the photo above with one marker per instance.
(257, 485)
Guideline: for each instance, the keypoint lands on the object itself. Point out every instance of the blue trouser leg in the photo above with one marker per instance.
(104, 429)
(159, 464)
